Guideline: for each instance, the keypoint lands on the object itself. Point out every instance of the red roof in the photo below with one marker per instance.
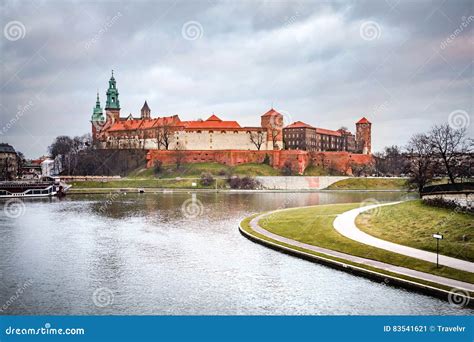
(271, 112)
(299, 124)
(327, 131)
(130, 125)
(363, 121)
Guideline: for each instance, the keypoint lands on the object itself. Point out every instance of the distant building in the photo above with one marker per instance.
(8, 162)
(302, 136)
(171, 133)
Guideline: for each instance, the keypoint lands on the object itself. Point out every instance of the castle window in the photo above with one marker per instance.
(199, 131)
(211, 132)
(235, 132)
(223, 132)
(248, 132)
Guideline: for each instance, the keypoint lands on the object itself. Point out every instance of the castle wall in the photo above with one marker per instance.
(193, 140)
(299, 160)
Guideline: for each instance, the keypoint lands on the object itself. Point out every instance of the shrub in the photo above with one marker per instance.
(157, 167)
(206, 179)
(440, 202)
(247, 183)
(287, 170)
(266, 160)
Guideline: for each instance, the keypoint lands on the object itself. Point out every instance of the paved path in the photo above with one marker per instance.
(368, 262)
(345, 224)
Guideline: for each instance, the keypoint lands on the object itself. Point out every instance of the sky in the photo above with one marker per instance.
(405, 65)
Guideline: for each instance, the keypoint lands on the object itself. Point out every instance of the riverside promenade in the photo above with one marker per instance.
(345, 225)
(254, 224)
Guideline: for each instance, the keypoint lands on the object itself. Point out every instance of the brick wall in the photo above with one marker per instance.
(299, 160)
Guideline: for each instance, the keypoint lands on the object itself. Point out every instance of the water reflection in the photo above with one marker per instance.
(155, 260)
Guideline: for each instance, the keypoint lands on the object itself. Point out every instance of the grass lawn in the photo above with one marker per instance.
(253, 170)
(313, 170)
(370, 184)
(413, 223)
(313, 225)
(147, 183)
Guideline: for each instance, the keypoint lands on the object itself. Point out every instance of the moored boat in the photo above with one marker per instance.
(44, 187)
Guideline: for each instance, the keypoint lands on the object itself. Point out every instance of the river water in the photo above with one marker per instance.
(176, 253)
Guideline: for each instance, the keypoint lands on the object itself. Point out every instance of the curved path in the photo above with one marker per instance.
(368, 262)
(345, 225)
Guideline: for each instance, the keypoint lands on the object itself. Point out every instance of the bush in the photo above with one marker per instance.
(266, 160)
(157, 167)
(286, 170)
(206, 179)
(247, 183)
(447, 204)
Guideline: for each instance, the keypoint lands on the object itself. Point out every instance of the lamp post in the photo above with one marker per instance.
(438, 237)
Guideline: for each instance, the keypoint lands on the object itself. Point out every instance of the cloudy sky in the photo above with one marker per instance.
(405, 65)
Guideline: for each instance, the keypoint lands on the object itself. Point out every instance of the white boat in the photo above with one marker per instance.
(45, 187)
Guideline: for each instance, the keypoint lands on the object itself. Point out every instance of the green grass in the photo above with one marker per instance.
(413, 223)
(370, 184)
(146, 183)
(313, 170)
(253, 170)
(313, 225)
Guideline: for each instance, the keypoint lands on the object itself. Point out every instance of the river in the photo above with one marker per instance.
(177, 254)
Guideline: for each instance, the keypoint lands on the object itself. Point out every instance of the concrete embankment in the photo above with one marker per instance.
(298, 182)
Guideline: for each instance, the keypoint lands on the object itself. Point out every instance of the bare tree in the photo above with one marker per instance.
(275, 135)
(257, 138)
(420, 161)
(179, 156)
(164, 135)
(450, 145)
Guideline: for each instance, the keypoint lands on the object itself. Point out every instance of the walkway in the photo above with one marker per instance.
(345, 225)
(368, 262)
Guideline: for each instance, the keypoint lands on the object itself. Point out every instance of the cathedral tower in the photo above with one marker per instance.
(112, 106)
(97, 118)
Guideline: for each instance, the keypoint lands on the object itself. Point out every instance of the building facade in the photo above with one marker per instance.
(110, 130)
(8, 162)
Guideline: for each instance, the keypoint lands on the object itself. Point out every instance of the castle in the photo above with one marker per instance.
(170, 133)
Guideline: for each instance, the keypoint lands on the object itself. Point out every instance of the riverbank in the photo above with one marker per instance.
(315, 229)
(420, 221)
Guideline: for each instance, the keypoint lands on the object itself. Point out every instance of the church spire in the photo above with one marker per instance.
(97, 111)
(112, 94)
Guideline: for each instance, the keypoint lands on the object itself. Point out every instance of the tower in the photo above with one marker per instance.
(146, 112)
(363, 136)
(97, 118)
(273, 122)
(112, 105)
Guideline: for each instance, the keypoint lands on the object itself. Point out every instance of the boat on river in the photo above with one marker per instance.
(44, 187)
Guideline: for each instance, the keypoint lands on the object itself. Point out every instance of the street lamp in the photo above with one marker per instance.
(438, 237)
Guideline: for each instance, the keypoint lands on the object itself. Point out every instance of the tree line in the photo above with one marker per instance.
(442, 152)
